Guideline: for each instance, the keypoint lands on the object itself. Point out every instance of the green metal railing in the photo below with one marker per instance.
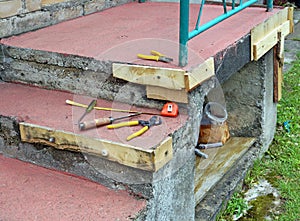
(185, 35)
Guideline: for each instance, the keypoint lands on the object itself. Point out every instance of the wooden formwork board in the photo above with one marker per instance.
(168, 80)
(265, 35)
(211, 170)
(145, 159)
(161, 93)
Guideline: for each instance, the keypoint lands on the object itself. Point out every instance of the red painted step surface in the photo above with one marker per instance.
(120, 33)
(30, 192)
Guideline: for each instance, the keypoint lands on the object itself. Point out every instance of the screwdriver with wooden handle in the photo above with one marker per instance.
(102, 121)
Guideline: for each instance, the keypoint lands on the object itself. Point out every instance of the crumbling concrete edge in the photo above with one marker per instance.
(215, 200)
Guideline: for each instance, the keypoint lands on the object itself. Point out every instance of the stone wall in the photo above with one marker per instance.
(19, 16)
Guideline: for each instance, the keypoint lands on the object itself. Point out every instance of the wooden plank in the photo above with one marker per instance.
(275, 75)
(199, 74)
(278, 65)
(209, 171)
(270, 40)
(265, 28)
(146, 75)
(291, 18)
(163, 154)
(10, 7)
(137, 157)
(284, 29)
(261, 30)
(264, 45)
(161, 93)
(51, 2)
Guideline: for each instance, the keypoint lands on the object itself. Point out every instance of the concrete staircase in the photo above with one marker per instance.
(155, 176)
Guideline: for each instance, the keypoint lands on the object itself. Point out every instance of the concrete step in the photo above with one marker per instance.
(42, 117)
(30, 192)
(77, 55)
(76, 60)
(35, 107)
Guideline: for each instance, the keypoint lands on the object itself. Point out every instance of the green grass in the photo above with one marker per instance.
(281, 163)
(236, 207)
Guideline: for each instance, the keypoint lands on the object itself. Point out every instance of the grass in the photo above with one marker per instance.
(281, 163)
(235, 208)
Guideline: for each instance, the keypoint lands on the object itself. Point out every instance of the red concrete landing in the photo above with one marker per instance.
(120, 33)
(29, 192)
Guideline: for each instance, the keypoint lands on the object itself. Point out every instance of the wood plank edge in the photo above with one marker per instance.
(198, 75)
(291, 18)
(163, 154)
(110, 147)
(197, 194)
(283, 15)
(161, 93)
(170, 78)
(270, 40)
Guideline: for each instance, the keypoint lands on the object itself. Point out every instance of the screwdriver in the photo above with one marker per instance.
(89, 108)
(102, 121)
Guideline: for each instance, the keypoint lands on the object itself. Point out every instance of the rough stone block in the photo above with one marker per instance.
(94, 6)
(67, 13)
(31, 21)
(10, 8)
(6, 27)
(32, 5)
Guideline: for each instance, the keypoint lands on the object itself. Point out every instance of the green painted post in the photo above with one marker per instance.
(184, 32)
(269, 5)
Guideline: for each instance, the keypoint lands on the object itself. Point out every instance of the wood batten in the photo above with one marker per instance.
(166, 83)
(145, 159)
(265, 35)
(220, 160)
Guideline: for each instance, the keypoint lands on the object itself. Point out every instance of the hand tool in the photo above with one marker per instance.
(89, 108)
(102, 121)
(107, 108)
(210, 145)
(156, 56)
(200, 154)
(170, 109)
(146, 125)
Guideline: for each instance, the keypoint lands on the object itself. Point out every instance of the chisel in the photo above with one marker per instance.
(102, 121)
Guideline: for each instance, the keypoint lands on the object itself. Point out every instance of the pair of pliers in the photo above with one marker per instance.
(156, 56)
(146, 125)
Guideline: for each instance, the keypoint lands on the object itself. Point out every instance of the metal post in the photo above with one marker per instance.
(200, 14)
(269, 5)
(220, 18)
(184, 32)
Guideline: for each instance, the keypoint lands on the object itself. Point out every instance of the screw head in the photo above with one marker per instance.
(104, 153)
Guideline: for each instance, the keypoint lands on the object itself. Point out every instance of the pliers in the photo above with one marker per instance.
(156, 56)
(147, 124)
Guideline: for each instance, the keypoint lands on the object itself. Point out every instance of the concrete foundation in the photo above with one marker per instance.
(249, 102)
(247, 94)
(245, 87)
